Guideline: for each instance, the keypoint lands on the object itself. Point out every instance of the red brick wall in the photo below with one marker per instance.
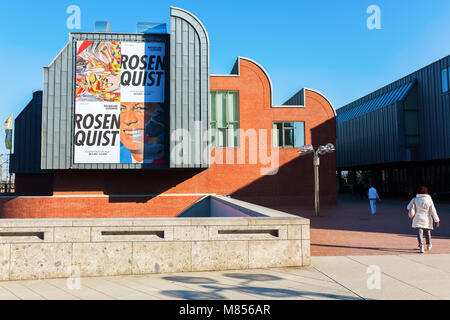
(292, 184)
(294, 180)
(94, 207)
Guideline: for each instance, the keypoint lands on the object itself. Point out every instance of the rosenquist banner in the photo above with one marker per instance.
(119, 104)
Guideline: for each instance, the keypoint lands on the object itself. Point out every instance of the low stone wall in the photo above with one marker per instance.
(58, 248)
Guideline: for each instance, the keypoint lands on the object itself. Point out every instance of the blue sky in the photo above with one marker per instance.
(321, 44)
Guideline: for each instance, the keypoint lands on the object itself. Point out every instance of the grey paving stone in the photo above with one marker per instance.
(437, 261)
(354, 276)
(108, 288)
(49, 291)
(7, 295)
(402, 277)
(416, 274)
(83, 292)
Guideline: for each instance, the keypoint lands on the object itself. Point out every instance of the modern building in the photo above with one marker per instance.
(134, 125)
(400, 134)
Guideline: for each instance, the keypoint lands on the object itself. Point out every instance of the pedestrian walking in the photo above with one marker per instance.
(421, 209)
(372, 194)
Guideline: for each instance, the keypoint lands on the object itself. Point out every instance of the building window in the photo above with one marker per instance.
(445, 80)
(288, 134)
(224, 118)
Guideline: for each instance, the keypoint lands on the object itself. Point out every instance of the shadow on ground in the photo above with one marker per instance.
(251, 284)
(390, 250)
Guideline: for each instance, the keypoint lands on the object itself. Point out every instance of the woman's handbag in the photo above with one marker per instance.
(412, 210)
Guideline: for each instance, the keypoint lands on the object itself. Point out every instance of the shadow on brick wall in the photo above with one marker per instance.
(294, 182)
(121, 182)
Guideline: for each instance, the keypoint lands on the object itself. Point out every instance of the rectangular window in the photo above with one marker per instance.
(224, 118)
(288, 134)
(445, 80)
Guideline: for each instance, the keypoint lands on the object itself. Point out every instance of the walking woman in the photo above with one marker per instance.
(421, 209)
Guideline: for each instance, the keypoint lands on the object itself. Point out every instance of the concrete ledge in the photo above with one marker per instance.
(55, 248)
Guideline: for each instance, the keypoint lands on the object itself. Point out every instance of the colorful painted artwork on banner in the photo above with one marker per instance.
(119, 104)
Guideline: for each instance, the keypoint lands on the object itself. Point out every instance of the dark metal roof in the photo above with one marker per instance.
(370, 131)
(375, 103)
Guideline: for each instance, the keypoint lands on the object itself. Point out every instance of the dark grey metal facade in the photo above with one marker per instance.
(189, 91)
(297, 99)
(57, 108)
(373, 137)
(414, 128)
(27, 137)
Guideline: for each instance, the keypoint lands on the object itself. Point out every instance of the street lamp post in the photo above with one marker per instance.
(321, 150)
(316, 163)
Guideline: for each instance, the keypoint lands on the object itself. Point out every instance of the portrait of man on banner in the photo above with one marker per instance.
(141, 132)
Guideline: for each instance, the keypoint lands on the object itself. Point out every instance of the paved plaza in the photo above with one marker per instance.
(418, 277)
(349, 229)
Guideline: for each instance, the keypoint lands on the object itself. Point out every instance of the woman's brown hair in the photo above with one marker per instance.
(422, 190)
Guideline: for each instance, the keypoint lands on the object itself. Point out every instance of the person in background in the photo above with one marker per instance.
(424, 213)
(373, 197)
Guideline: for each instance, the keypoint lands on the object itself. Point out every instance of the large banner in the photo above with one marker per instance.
(119, 104)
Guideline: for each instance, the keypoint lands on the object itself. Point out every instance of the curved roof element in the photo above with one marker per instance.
(237, 70)
(265, 72)
(189, 71)
(192, 19)
(323, 96)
